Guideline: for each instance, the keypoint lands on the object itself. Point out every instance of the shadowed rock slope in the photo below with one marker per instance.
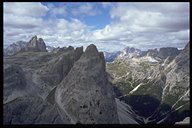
(68, 86)
(85, 93)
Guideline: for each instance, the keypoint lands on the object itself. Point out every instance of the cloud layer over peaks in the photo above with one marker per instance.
(110, 26)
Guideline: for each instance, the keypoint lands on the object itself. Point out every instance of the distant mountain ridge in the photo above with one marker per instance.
(14, 48)
(154, 54)
(34, 44)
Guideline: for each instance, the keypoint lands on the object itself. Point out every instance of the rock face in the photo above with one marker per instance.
(14, 48)
(110, 57)
(57, 68)
(168, 51)
(163, 53)
(14, 80)
(31, 110)
(177, 83)
(85, 93)
(68, 86)
(36, 45)
(49, 48)
(130, 52)
(159, 92)
(185, 121)
(152, 52)
(14, 74)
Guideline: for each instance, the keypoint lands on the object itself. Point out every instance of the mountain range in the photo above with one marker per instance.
(126, 53)
(45, 85)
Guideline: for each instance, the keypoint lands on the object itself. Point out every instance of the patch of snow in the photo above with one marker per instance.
(135, 88)
(179, 99)
(149, 77)
(149, 58)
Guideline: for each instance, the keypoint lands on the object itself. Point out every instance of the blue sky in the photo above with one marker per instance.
(110, 26)
(98, 18)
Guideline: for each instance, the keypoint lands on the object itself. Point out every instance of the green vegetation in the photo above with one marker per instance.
(118, 68)
(144, 65)
(170, 99)
(124, 87)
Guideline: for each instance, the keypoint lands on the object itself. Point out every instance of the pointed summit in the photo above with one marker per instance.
(85, 93)
(36, 45)
(34, 38)
(91, 50)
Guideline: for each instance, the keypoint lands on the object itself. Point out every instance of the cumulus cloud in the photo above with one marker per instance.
(145, 25)
(139, 25)
(22, 25)
(85, 9)
(55, 11)
(25, 9)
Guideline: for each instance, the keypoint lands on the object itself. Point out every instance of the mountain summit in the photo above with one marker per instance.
(36, 45)
(85, 93)
(33, 45)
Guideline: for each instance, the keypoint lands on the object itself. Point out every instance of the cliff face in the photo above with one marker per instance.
(158, 91)
(168, 51)
(69, 86)
(14, 48)
(177, 83)
(36, 45)
(32, 110)
(85, 93)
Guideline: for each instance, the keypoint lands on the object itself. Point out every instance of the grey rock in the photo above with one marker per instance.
(57, 68)
(14, 77)
(111, 56)
(14, 48)
(31, 110)
(49, 48)
(177, 74)
(36, 45)
(78, 53)
(14, 81)
(63, 49)
(185, 121)
(168, 82)
(168, 51)
(85, 93)
(130, 52)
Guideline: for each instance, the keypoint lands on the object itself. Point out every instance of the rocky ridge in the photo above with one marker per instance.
(14, 48)
(33, 45)
(166, 84)
(85, 93)
(46, 76)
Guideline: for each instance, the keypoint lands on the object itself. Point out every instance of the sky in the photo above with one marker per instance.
(111, 26)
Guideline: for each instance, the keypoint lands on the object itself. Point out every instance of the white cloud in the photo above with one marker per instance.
(22, 20)
(55, 11)
(85, 9)
(140, 25)
(144, 25)
(33, 9)
(14, 21)
(22, 24)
